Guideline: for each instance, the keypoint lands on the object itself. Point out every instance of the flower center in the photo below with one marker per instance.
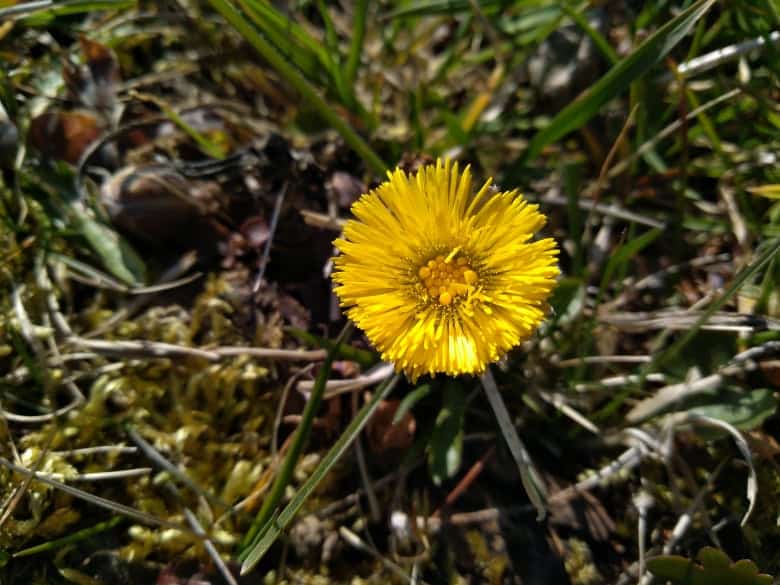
(445, 279)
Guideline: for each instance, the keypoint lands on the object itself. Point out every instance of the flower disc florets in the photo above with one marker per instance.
(442, 279)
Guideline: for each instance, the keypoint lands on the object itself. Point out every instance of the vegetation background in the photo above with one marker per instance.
(173, 175)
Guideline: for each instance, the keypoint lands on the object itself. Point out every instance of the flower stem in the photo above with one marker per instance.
(532, 482)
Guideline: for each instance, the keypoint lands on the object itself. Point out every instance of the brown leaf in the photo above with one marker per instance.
(64, 135)
(383, 434)
(157, 204)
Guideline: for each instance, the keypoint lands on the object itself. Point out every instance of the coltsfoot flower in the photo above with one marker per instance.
(443, 280)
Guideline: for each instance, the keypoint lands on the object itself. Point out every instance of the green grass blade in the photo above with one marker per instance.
(451, 7)
(271, 531)
(617, 79)
(624, 254)
(71, 538)
(289, 38)
(287, 467)
(36, 14)
(295, 79)
(356, 46)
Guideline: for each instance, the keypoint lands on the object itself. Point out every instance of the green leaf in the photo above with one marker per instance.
(114, 251)
(446, 445)
(715, 569)
(743, 410)
(618, 78)
(674, 568)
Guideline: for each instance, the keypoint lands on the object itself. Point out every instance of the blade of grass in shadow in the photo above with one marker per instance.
(356, 46)
(294, 78)
(71, 538)
(272, 529)
(41, 13)
(331, 38)
(617, 79)
(287, 467)
(431, 7)
(128, 511)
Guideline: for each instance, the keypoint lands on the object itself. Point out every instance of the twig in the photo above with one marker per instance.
(20, 490)
(729, 53)
(617, 381)
(97, 450)
(40, 418)
(643, 501)
(465, 482)
(157, 458)
(678, 319)
(271, 232)
(323, 220)
(603, 359)
(108, 475)
(668, 131)
(192, 520)
(613, 210)
(336, 387)
(157, 349)
(93, 499)
(559, 402)
(169, 279)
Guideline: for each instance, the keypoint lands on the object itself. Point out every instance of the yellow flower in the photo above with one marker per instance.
(442, 279)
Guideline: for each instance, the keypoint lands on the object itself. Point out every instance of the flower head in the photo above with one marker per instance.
(442, 279)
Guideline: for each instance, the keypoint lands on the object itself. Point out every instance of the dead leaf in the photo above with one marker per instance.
(383, 435)
(64, 135)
